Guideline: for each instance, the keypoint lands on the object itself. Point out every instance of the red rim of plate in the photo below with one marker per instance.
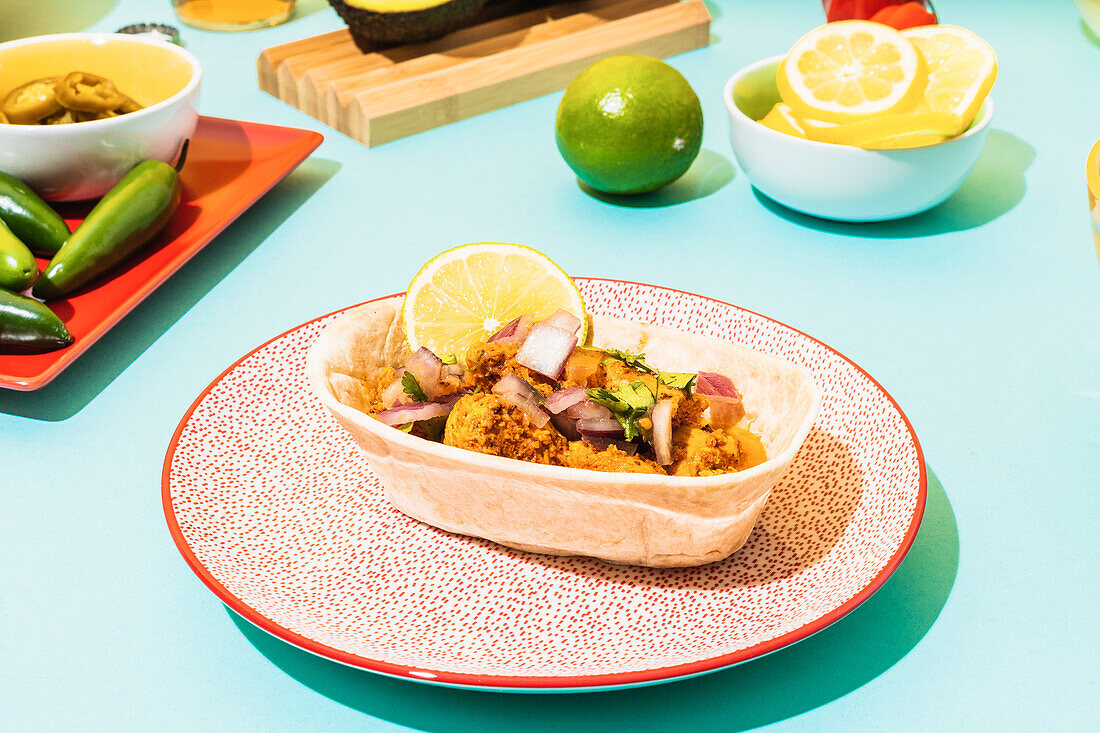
(548, 683)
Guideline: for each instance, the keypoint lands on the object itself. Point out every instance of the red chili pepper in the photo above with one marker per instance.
(906, 15)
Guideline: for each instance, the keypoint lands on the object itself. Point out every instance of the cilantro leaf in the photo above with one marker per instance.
(632, 360)
(629, 403)
(411, 387)
(676, 380)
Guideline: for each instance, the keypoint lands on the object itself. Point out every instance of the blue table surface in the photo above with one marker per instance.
(981, 317)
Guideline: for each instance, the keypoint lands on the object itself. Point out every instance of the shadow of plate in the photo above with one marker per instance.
(834, 662)
(122, 345)
(994, 187)
(709, 173)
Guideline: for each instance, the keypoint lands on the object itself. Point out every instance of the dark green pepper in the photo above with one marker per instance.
(30, 218)
(126, 219)
(18, 268)
(29, 327)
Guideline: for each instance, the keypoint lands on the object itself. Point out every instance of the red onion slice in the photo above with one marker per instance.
(564, 320)
(587, 409)
(546, 350)
(518, 392)
(661, 415)
(709, 383)
(602, 444)
(566, 426)
(564, 399)
(426, 367)
(600, 426)
(515, 330)
(415, 412)
(724, 411)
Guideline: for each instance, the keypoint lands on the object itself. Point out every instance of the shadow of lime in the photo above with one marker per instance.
(827, 666)
(122, 345)
(993, 188)
(709, 173)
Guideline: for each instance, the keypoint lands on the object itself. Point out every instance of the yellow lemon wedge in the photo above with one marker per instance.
(851, 70)
(464, 295)
(900, 130)
(782, 119)
(961, 70)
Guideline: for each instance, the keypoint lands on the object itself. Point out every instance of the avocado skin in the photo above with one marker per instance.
(370, 29)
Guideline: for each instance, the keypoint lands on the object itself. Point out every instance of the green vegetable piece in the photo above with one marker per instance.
(18, 268)
(411, 387)
(448, 359)
(629, 403)
(676, 380)
(29, 327)
(30, 218)
(125, 220)
(632, 360)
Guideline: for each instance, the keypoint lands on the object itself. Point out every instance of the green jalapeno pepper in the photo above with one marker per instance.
(31, 102)
(29, 327)
(18, 268)
(86, 92)
(30, 218)
(127, 218)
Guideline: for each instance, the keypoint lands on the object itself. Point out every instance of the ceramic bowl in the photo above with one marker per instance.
(84, 160)
(841, 182)
(1092, 175)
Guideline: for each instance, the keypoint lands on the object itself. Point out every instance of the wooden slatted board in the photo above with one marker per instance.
(513, 52)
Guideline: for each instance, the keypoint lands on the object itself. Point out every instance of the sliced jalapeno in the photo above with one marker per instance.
(31, 102)
(86, 92)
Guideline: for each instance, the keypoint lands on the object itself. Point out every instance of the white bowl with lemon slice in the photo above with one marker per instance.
(889, 126)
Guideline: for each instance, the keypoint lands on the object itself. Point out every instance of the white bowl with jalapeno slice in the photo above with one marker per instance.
(79, 110)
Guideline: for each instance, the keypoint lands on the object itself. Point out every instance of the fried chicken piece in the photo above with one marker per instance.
(487, 362)
(611, 459)
(485, 423)
(703, 452)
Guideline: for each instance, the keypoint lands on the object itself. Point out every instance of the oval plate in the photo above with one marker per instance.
(273, 506)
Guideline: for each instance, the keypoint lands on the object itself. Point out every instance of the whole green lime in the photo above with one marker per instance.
(629, 124)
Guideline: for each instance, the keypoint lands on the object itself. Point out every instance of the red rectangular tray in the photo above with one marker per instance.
(229, 166)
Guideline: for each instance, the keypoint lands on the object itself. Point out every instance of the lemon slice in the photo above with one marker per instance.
(961, 70)
(901, 130)
(464, 295)
(781, 119)
(851, 70)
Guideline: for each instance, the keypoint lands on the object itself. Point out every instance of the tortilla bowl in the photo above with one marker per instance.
(626, 518)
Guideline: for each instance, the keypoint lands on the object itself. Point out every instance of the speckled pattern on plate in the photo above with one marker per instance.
(272, 505)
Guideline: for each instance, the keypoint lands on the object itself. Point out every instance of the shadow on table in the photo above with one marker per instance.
(814, 672)
(1093, 39)
(995, 186)
(50, 16)
(304, 8)
(107, 358)
(708, 174)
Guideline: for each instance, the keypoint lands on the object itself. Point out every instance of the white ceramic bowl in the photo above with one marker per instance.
(841, 181)
(83, 160)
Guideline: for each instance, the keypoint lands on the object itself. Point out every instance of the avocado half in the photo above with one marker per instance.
(373, 22)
